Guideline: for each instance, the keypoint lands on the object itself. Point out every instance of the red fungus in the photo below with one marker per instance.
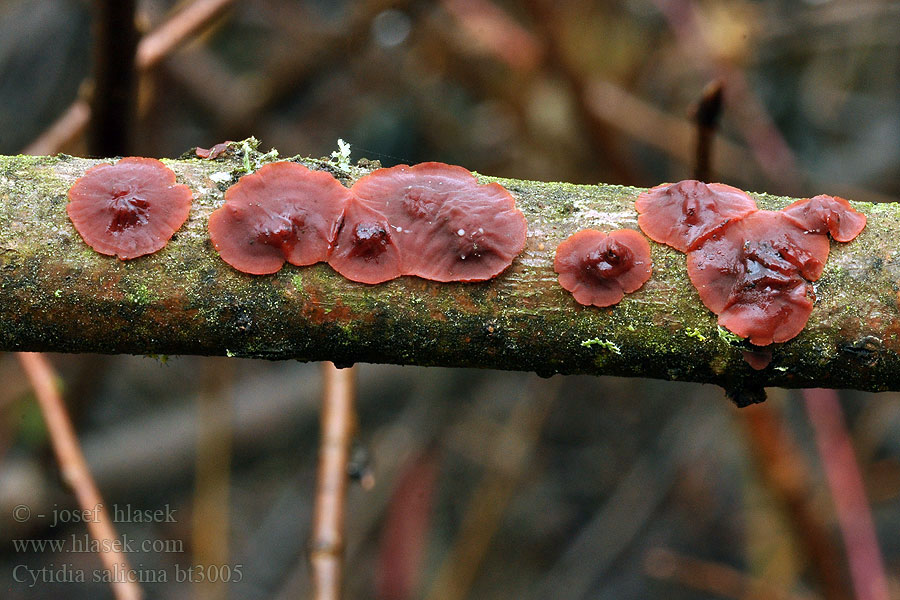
(684, 214)
(755, 275)
(214, 152)
(282, 212)
(599, 269)
(365, 250)
(757, 359)
(827, 214)
(128, 209)
(446, 227)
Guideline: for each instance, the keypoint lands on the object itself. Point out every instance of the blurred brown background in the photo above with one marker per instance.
(477, 484)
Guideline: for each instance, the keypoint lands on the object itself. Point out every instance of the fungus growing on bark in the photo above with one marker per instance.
(443, 223)
(365, 250)
(128, 209)
(282, 212)
(755, 275)
(827, 214)
(599, 269)
(214, 152)
(684, 214)
(752, 268)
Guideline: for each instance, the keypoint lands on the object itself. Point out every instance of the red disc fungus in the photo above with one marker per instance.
(686, 213)
(214, 152)
(128, 209)
(757, 359)
(827, 214)
(755, 275)
(366, 250)
(282, 212)
(599, 269)
(444, 224)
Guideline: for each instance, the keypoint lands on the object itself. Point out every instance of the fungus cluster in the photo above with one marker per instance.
(431, 220)
(599, 269)
(753, 268)
(128, 209)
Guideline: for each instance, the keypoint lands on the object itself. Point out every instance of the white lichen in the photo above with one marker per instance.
(221, 177)
(341, 156)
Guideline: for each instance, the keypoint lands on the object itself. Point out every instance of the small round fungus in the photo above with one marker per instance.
(827, 214)
(755, 275)
(757, 359)
(599, 269)
(214, 152)
(365, 250)
(445, 225)
(282, 212)
(686, 213)
(128, 209)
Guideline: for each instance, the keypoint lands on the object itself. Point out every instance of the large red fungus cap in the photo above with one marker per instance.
(128, 209)
(686, 213)
(282, 212)
(446, 226)
(365, 250)
(827, 214)
(755, 275)
(599, 269)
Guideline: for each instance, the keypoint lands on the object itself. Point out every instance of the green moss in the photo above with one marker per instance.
(729, 337)
(695, 333)
(603, 344)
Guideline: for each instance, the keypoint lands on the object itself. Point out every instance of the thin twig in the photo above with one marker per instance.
(488, 503)
(152, 48)
(766, 142)
(848, 493)
(211, 493)
(713, 578)
(178, 28)
(76, 474)
(784, 471)
(112, 101)
(338, 425)
(709, 108)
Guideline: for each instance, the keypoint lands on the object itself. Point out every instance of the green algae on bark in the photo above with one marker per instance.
(56, 294)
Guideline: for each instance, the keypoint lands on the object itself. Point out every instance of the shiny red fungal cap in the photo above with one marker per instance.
(755, 275)
(827, 214)
(366, 250)
(686, 213)
(128, 209)
(599, 269)
(214, 152)
(446, 227)
(282, 212)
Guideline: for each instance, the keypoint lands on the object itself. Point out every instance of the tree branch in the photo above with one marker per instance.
(56, 294)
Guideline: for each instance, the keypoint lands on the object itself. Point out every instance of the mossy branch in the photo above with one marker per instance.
(56, 294)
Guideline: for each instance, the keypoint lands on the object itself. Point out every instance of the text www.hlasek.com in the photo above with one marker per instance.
(84, 543)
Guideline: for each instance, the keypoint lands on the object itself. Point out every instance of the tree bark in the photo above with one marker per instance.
(56, 294)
